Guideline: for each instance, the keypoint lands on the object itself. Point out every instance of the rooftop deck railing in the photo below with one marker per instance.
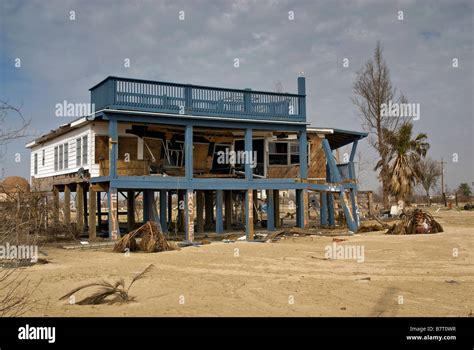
(154, 96)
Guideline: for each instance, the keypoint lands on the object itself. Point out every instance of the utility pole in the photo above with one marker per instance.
(443, 194)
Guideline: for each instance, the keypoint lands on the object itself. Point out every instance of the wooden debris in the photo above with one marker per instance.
(371, 226)
(272, 235)
(415, 222)
(152, 240)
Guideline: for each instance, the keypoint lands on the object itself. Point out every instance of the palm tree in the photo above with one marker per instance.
(404, 156)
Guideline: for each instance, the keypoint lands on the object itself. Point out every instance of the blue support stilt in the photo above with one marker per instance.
(219, 218)
(303, 146)
(188, 152)
(323, 202)
(270, 210)
(249, 153)
(163, 209)
(331, 214)
(113, 147)
(300, 208)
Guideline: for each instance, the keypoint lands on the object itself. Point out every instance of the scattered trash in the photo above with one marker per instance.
(242, 238)
(452, 282)
(363, 279)
(339, 240)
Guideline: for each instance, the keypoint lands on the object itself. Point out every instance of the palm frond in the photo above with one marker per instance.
(141, 275)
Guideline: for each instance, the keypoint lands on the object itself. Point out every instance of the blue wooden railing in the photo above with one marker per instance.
(154, 96)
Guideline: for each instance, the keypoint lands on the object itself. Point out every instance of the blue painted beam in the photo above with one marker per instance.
(351, 222)
(303, 145)
(300, 208)
(163, 209)
(249, 153)
(188, 151)
(180, 183)
(351, 160)
(331, 214)
(113, 147)
(197, 121)
(270, 211)
(219, 218)
(334, 171)
(323, 208)
(355, 208)
(302, 100)
(353, 151)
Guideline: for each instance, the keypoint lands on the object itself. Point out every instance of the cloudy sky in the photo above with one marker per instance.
(62, 58)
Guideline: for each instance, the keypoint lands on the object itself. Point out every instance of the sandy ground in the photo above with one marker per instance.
(287, 278)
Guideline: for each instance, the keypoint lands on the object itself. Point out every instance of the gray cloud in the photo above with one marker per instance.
(61, 59)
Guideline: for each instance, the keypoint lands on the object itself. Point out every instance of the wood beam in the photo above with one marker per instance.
(80, 207)
(112, 197)
(67, 205)
(200, 211)
(55, 205)
(92, 214)
(189, 215)
(130, 210)
(209, 209)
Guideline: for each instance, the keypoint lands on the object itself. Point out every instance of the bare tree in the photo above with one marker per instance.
(372, 89)
(10, 115)
(14, 287)
(430, 171)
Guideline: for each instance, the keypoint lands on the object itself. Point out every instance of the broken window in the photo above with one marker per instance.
(56, 158)
(78, 152)
(66, 155)
(36, 164)
(61, 159)
(84, 149)
(278, 153)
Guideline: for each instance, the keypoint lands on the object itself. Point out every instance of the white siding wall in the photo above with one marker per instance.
(70, 138)
(91, 130)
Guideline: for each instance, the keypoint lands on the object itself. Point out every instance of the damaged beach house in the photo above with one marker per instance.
(193, 159)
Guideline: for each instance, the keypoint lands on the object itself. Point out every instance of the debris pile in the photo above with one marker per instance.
(415, 222)
(152, 240)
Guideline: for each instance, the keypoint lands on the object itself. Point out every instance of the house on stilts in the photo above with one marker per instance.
(211, 148)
